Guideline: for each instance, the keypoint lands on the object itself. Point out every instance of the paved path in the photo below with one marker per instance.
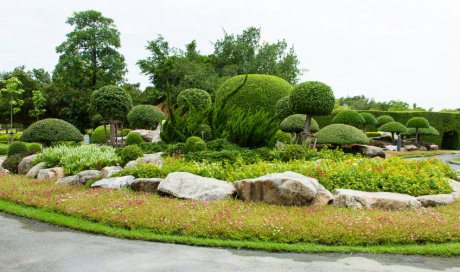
(27, 245)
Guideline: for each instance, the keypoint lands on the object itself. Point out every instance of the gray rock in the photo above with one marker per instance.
(422, 148)
(108, 171)
(33, 172)
(368, 151)
(147, 135)
(189, 186)
(436, 200)
(114, 183)
(131, 164)
(87, 175)
(69, 180)
(391, 147)
(411, 147)
(26, 164)
(434, 147)
(383, 200)
(51, 173)
(286, 188)
(154, 158)
(149, 185)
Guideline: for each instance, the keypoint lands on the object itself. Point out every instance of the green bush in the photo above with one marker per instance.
(372, 134)
(34, 147)
(196, 99)
(149, 148)
(111, 102)
(125, 132)
(296, 122)
(17, 148)
(134, 138)
(260, 92)
(383, 119)
(423, 131)
(349, 117)
(3, 149)
(205, 132)
(145, 117)
(280, 136)
(194, 144)
(369, 119)
(175, 149)
(100, 135)
(293, 152)
(312, 97)
(245, 156)
(340, 134)
(418, 122)
(283, 109)
(5, 138)
(11, 162)
(130, 153)
(393, 127)
(50, 130)
(221, 144)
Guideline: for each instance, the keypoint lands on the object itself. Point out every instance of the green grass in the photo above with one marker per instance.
(78, 223)
(418, 154)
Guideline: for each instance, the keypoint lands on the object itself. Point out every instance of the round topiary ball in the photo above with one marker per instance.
(283, 109)
(100, 135)
(296, 122)
(340, 134)
(130, 153)
(17, 148)
(145, 117)
(369, 119)
(418, 122)
(348, 117)
(196, 99)
(260, 92)
(383, 119)
(312, 98)
(51, 130)
(111, 102)
(134, 138)
(393, 127)
(194, 144)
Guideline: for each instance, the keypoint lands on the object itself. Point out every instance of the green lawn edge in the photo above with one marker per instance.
(85, 225)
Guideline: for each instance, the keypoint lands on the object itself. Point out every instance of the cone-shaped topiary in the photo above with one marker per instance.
(383, 119)
(348, 117)
(51, 130)
(369, 120)
(283, 109)
(145, 117)
(196, 99)
(417, 123)
(393, 127)
(340, 134)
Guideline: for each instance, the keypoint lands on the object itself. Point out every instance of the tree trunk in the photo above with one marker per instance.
(94, 64)
(365, 129)
(112, 132)
(416, 136)
(392, 137)
(306, 130)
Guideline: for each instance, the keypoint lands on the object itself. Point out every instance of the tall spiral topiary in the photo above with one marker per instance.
(111, 102)
(349, 117)
(145, 117)
(417, 123)
(312, 98)
(393, 127)
(340, 134)
(51, 130)
(383, 119)
(195, 99)
(369, 120)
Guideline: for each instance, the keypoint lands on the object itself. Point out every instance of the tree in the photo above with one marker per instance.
(112, 103)
(417, 123)
(369, 120)
(294, 124)
(12, 90)
(393, 127)
(39, 102)
(383, 119)
(348, 117)
(311, 98)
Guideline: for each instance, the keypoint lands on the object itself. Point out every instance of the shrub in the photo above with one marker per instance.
(145, 117)
(34, 147)
(205, 131)
(194, 144)
(99, 135)
(221, 144)
(372, 134)
(125, 132)
(423, 131)
(3, 149)
(11, 162)
(340, 134)
(130, 153)
(369, 120)
(417, 123)
(293, 152)
(49, 130)
(349, 117)
(280, 136)
(393, 127)
(148, 148)
(134, 138)
(383, 119)
(175, 149)
(283, 109)
(195, 99)
(17, 148)
(296, 122)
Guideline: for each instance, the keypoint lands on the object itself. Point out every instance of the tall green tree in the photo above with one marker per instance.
(39, 102)
(12, 91)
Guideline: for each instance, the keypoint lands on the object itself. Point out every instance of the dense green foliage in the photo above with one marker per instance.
(194, 144)
(130, 153)
(383, 119)
(340, 134)
(100, 135)
(145, 117)
(371, 134)
(17, 148)
(112, 102)
(51, 130)
(418, 122)
(296, 122)
(312, 98)
(196, 99)
(11, 162)
(423, 131)
(394, 127)
(369, 120)
(280, 136)
(349, 117)
(293, 152)
(134, 138)
(283, 109)
(34, 147)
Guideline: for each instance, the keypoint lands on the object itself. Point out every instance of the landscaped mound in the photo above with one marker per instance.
(339, 134)
(51, 130)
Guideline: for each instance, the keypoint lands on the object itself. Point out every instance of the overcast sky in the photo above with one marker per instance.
(384, 49)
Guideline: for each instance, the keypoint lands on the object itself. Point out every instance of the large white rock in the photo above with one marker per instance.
(149, 185)
(51, 173)
(411, 147)
(286, 188)
(189, 186)
(436, 200)
(81, 178)
(108, 171)
(384, 200)
(26, 164)
(154, 158)
(368, 151)
(147, 135)
(114, 183)
(33, 172)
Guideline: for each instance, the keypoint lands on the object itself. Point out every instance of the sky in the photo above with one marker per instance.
(405, 50)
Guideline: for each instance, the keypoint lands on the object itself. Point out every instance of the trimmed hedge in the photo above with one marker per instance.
(349, 117)
(418, 122)
(17, 148)
(283, 109)
(195, 144)
(51, 130)
(312, 97)
(296, 122)
(145, 117)
(134, 138)
(197, 99)
(394, 127)
(99, 135)
(340, 134)
(383, 119)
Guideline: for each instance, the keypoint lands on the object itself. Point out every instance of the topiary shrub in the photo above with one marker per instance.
(50, 130)
(423, 131)
(11, 162)
(194, 99)
(17, 148)
(393, 127)
(100, 135)
(372, 134)
(134, 138)
(283, 109)
(295, 124)
(340, 134)
(130, 153)
(293, 152)
(34, 147)
(206, 131)
(417, 123)
(369, 120)
(383, 119)
(280, 136)
(349, 117)
(175, 149)
(145, 117)
(260, 92)
(194, 144)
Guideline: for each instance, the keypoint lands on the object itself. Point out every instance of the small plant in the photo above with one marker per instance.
(134, 138)
(280, 136)
(17, 148)
(100, 135)
(11, 162)
(130, 153)
(194, 144)
(417, 123)
(293, 152)
(175, 149)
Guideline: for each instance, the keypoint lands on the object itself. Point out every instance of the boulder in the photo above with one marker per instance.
(147, 135)
(391, 147)
(81, 178)
(2, 170)
(149, 185)
(368, 151)
(383, 200)
(286, 188)
(154, 158)
(434, 147)
(422, 148)
(436, 200)
(108, 171)
(26, 164)
(411, 147)
(51, 173)
(131, 164)
(114, 183)
(33, 172)
(189, 186)
(69, 180)
(456, 187)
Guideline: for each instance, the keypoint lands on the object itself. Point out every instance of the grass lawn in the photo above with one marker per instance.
(233, 223)
(418, 154)
(3, 149)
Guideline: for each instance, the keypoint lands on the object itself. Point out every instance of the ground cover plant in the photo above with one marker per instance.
(237, 220)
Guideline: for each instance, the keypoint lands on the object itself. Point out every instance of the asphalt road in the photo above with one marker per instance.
(27, 245)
